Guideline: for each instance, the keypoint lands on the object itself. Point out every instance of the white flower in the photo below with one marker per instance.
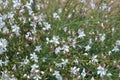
(57, 50)
(70, 39)
(13, 78)
(73, 44)
(26, 61)
(87, 48)
(83, 74)
(113, 30)
(11, 36)
(4, 16)
(102, 37)
(57, 75)
(28, 36)
(69, 16)
(6, 3)
(60, 10)
(58, 64)
(1, 62)
(38, 48)
(65, 29)
(118, 42)
(109, 52)
(65, 48)
(90, 41)
(81, 33)
(15, 29)
(6, 62)
(109, 9)
(35, 72)
(33, 24)
(115, 49)
(14, 67)
(92, 4)
(76, 61)
(94, 58)
(48, 40)
(21, 11)
(26, 75)
(2, 24)
(92, 78)
(75, 70)
(62, 64)
(28, 5)
(119, 75)
(44, 59)
(34, 67)
(64, 61)
(31, 11)
(10, 15)
(101, 71)
(34, 57)
(40, 19)
(55, 40)
(5, 30)
(102, 25)
(16, 3)
(5, 75)
(47, 26)
(109, 74)
(104, 6)
(86, 54)
(37, 77)
(3, 45)
(56, 16)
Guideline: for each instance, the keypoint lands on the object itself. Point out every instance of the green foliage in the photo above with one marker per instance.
(59, 39)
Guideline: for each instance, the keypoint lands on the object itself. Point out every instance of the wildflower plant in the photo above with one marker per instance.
(59, 40)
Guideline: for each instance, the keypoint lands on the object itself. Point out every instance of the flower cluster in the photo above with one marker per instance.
(59, 40)
(3, 45)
